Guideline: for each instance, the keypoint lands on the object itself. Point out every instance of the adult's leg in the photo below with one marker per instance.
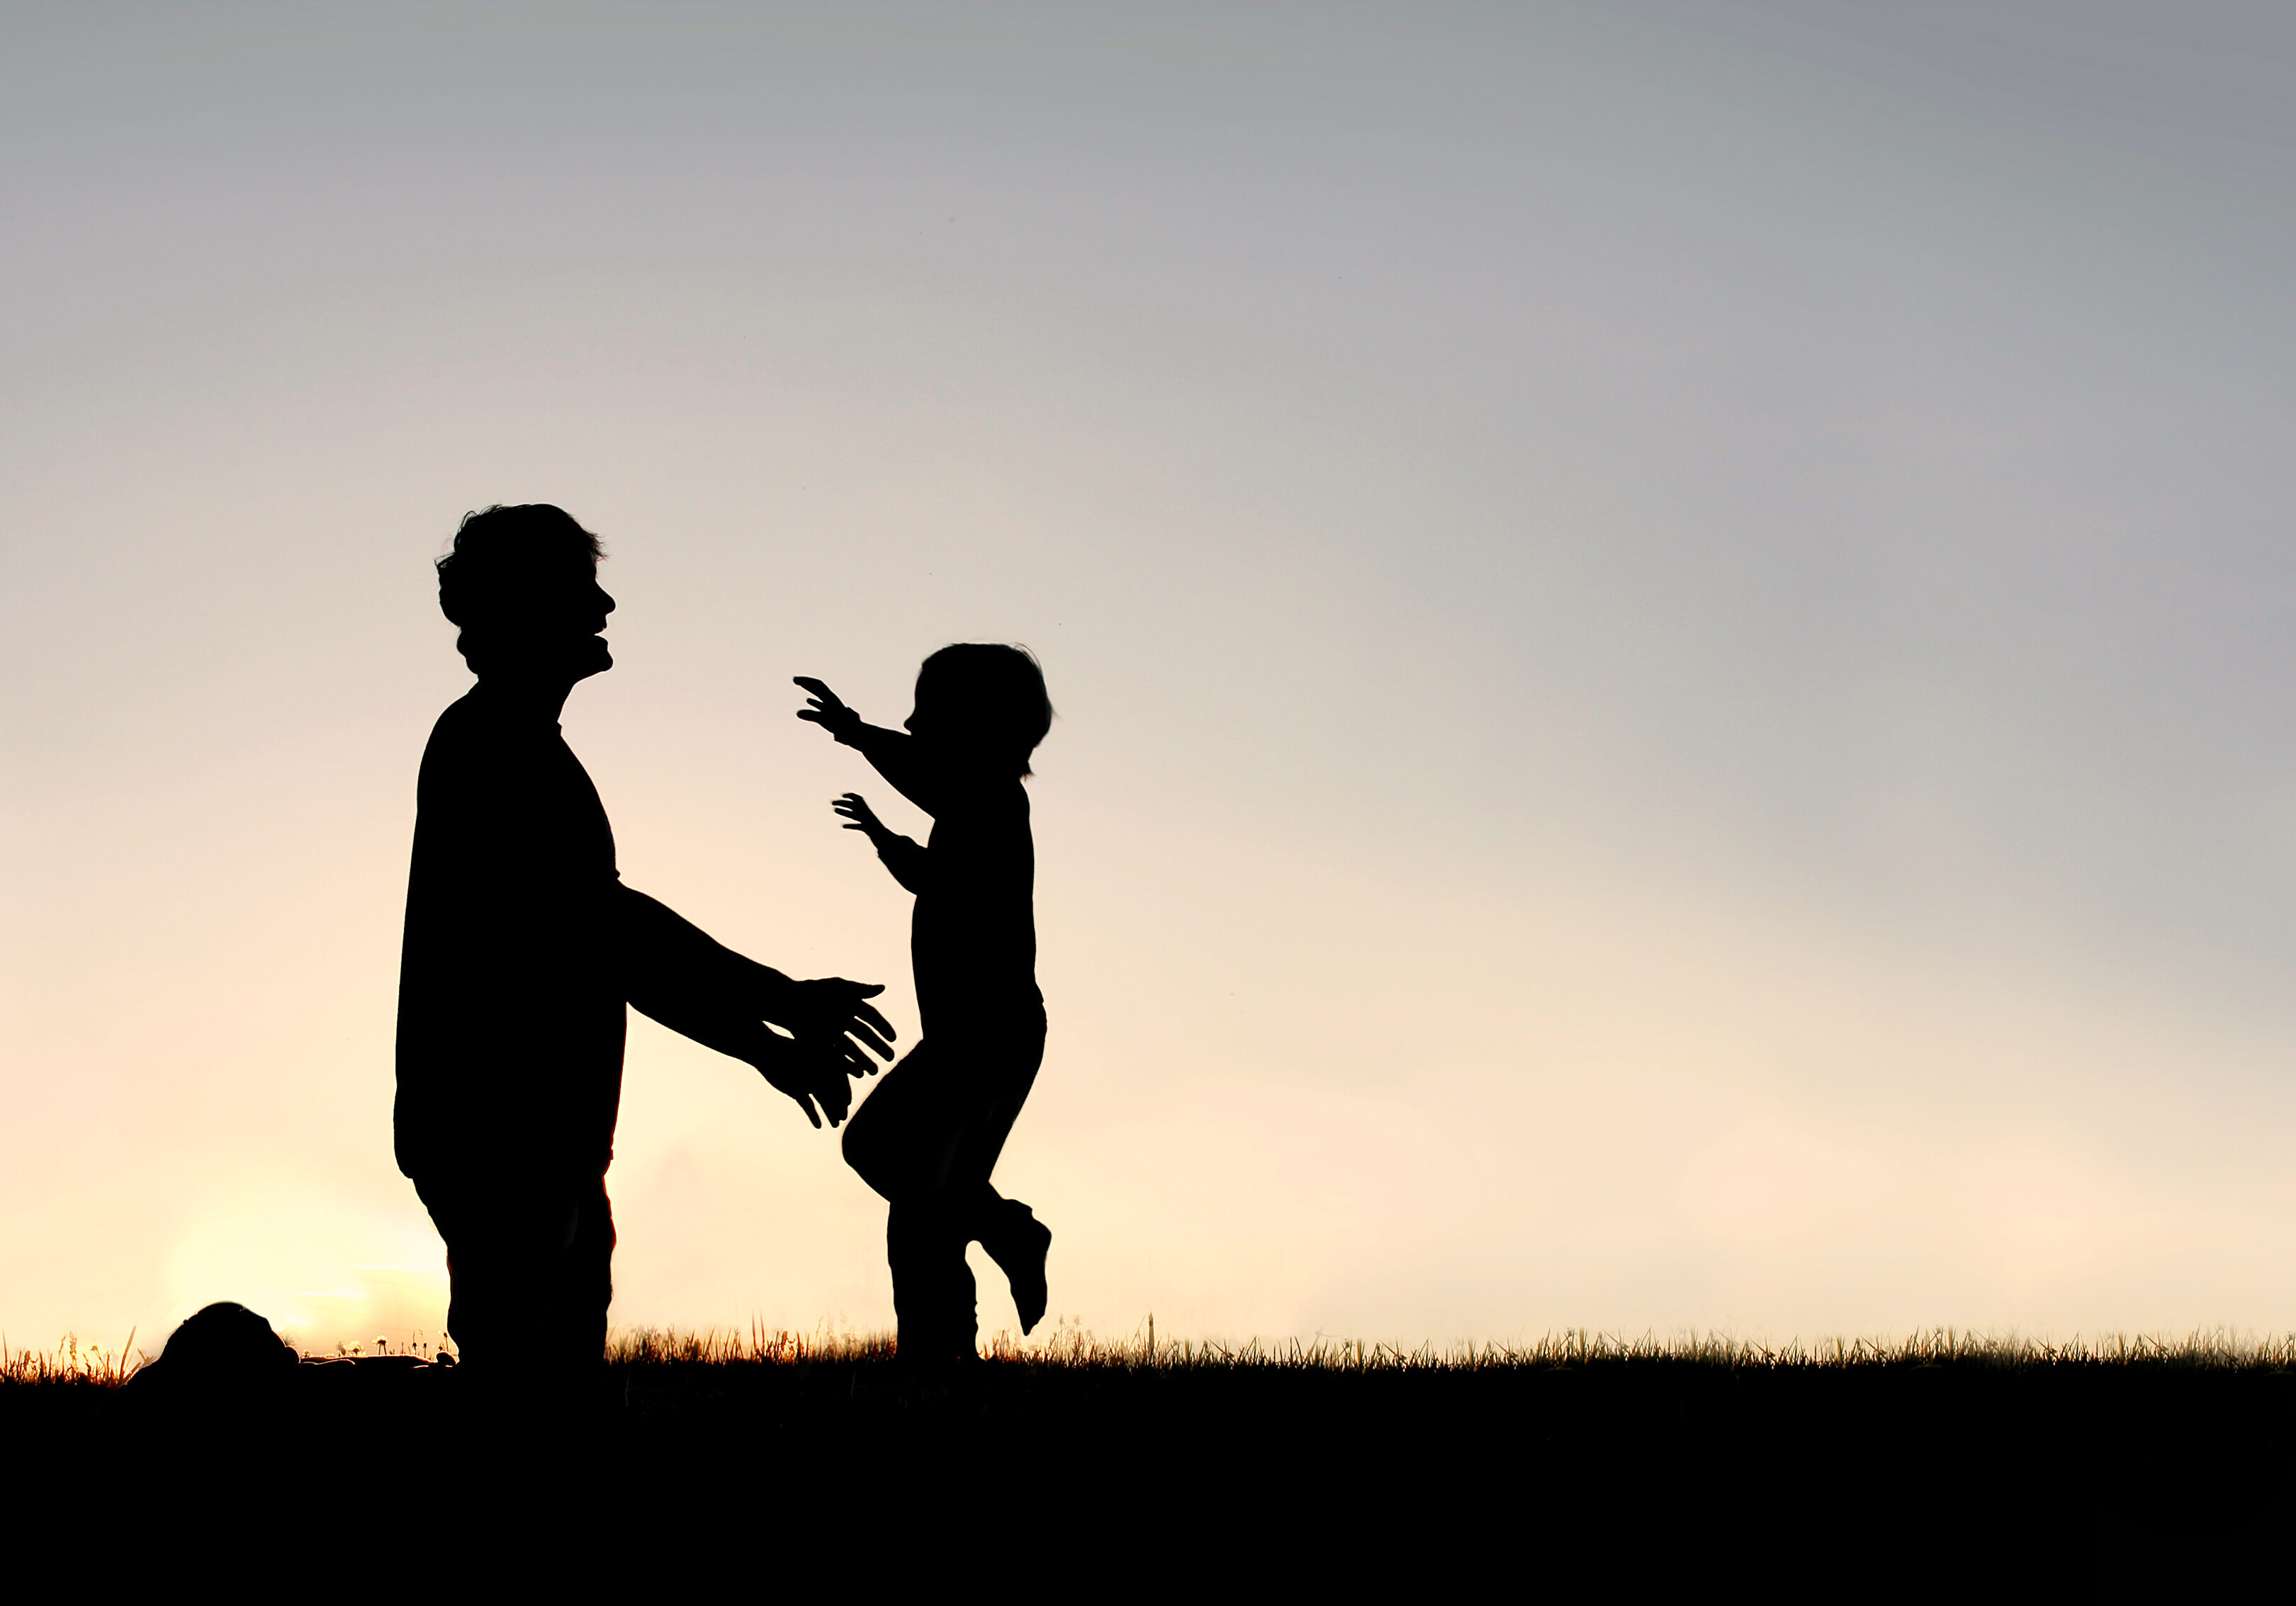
(529, 1273)
(582, 1287)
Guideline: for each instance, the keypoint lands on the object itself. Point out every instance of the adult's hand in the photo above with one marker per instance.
(808, 1075)
(832, 1009)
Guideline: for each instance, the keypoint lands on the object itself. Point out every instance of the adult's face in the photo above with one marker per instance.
(553, 628)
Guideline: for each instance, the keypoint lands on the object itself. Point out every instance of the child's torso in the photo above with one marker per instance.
(973, 940)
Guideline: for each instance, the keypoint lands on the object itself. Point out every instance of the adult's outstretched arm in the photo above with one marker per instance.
(679, 975)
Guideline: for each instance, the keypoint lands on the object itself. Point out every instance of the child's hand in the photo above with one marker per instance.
(855, 811)
(825, 709)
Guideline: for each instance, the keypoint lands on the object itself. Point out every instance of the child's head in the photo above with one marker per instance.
(985, 701)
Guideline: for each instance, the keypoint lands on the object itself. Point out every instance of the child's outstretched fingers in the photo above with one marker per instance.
(824, 708)
(857, 813)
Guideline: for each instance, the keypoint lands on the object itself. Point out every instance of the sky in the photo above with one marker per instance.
(1671, 626)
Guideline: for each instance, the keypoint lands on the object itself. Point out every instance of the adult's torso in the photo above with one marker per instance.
(511, 1018)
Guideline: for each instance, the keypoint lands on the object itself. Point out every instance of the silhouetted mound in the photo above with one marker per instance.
(224, 1349)
(227, 1372)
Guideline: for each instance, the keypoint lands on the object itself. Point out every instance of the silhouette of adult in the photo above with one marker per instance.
(522, 948)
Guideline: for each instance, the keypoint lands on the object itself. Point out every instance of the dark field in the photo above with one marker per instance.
(2135, 1468)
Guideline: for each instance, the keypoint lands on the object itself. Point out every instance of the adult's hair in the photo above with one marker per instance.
(498, 554)
(1001, 693)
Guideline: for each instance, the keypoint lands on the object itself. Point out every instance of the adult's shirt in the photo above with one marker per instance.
(511, 991)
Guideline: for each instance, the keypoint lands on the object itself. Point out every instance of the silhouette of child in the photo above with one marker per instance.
(929, 1136)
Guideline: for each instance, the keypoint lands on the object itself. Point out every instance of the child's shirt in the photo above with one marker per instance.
(973, 936)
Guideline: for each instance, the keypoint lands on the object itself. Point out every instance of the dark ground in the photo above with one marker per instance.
(2110, 1477)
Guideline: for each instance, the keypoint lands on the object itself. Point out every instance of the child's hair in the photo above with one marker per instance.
(998, 694)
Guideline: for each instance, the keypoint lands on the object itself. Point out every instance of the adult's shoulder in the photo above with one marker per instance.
(463, 738)
(458, 724)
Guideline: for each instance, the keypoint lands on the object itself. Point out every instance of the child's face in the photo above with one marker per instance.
(939, 719)
(929, 720)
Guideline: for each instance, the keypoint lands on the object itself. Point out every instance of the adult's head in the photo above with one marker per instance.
(523, 582)
(986, 699)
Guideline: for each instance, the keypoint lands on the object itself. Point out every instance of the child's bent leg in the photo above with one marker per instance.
(1018, 1243)
(1015, 1239)
(900, 1140)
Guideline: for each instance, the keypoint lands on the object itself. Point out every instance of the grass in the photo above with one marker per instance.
(2217, 1348)
(2113, 1460)
(74, 1364)
(1955, 1456)
(70, 1364)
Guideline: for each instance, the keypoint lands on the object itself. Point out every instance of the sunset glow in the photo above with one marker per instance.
(1671, 626)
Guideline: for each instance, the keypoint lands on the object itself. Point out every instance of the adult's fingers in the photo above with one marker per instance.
(877, 1039)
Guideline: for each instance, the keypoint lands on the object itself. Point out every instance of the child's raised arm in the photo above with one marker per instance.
(901, 855)
(893, 753)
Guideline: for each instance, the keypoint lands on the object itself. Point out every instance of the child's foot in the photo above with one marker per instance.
(1019, 1248)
